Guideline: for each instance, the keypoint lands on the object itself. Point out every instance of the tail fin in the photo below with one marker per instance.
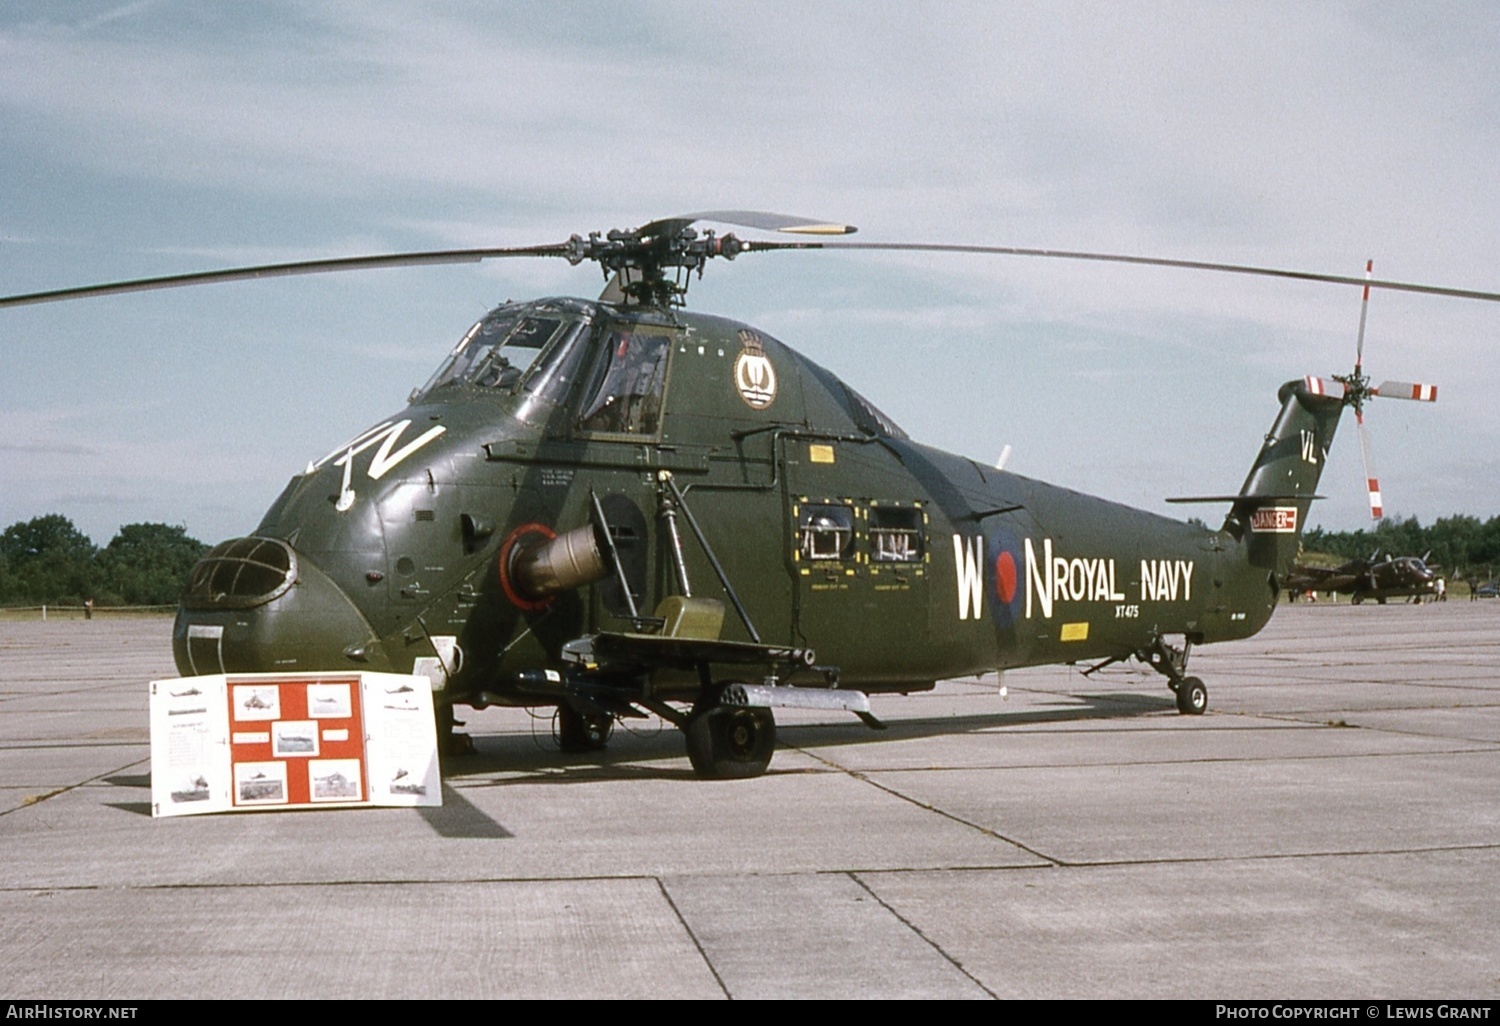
(1271, 509)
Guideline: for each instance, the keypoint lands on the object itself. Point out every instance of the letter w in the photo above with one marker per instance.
(968, 559)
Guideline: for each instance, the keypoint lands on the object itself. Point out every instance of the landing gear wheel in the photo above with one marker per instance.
(727, 743)
(580, 732)
(1192, 697)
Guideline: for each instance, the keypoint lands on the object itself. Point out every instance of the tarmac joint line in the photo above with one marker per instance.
(925, 939)
(928, 807)
(36, 799)
(693, 937)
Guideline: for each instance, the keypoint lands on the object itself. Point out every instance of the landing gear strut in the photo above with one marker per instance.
(1171, 662)
(450, 741)
(582, 732)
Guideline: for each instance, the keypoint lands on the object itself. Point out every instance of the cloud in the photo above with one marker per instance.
(163, 136)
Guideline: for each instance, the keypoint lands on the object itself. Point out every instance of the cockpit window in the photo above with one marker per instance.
(629, 397)
(553, 374)
(497, 351)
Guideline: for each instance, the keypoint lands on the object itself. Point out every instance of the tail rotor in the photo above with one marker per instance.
(1358, 391)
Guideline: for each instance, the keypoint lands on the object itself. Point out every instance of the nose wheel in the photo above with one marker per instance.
(730, 743)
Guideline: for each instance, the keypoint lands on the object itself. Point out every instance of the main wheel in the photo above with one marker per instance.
(578, 732)
(1192, 697)
(727, 743)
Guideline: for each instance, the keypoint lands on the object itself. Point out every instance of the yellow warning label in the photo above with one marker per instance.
(820, 453)
(1075, 631)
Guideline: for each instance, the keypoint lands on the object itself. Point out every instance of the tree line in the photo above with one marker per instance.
(48, 561)
(1461, 545)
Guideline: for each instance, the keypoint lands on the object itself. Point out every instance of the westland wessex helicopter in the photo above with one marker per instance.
(1367, 579)
(617, 507)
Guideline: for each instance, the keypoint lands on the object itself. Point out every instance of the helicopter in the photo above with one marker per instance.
(618, 507)
(1371, 578)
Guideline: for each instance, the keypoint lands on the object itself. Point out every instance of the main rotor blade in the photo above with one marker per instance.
(762, 219)
(1119, 258)
(362, 263)
(771, 222)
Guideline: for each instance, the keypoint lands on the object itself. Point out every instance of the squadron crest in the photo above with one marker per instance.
(753, 374)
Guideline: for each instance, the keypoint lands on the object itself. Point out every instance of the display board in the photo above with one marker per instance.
(242, 741)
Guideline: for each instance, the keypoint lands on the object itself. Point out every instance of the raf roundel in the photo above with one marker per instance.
(1005, 582)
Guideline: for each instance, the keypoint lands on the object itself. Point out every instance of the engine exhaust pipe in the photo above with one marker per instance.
(568, 561)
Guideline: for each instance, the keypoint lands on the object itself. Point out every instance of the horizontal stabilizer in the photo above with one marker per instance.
(1257, 499)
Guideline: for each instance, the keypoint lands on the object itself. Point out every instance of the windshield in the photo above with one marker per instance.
(496, 352)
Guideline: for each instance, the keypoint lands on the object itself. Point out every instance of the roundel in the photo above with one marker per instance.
(754, 376)
(1004, 574)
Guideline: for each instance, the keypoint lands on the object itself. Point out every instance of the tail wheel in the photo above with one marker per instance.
(727, 743)
(1192, 697)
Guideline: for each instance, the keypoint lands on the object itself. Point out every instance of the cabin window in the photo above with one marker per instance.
(629, 397)
(896, 534)
(825, 532)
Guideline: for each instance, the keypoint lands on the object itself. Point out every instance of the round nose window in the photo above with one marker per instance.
(241, 573)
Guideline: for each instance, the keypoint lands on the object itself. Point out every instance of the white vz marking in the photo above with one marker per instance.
(386, 434)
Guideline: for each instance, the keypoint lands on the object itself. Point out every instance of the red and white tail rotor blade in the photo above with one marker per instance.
(1364, 309)
(1372, 483)
(1407, 390)
(1322, 386)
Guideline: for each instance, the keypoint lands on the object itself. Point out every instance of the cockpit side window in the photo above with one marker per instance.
(554, 373)
(629, 397)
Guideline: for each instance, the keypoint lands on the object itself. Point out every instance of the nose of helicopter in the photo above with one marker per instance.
(255, 605)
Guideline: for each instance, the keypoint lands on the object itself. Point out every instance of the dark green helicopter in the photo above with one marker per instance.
(617, 507)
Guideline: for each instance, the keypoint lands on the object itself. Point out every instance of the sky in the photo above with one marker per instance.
(165, 136)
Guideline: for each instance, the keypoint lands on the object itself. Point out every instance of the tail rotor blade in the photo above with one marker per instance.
(1407, 390)
(1364, 308)
(1372, 483)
